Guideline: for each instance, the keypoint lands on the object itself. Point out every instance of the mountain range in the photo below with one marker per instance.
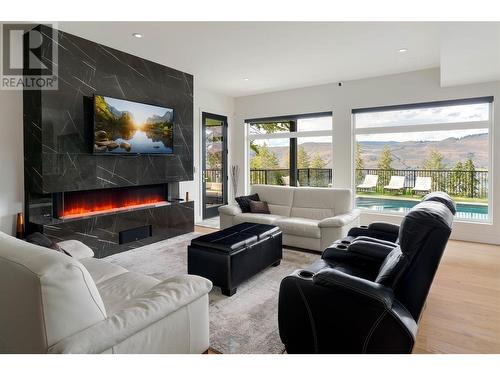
(407, 155)
(115, 111)
(167, 117)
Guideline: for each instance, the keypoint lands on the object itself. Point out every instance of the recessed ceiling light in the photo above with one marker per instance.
(245, 79)
(402, 50)
(137, 35)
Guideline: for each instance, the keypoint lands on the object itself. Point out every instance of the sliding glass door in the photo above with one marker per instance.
(214, 172)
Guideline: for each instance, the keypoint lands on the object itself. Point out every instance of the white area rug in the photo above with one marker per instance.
(244, 323)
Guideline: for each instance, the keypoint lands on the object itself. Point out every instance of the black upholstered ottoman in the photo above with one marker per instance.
(232, 255)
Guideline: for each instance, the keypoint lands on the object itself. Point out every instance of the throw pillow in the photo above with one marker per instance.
(259, 207)
(244, 201)
(39, 239)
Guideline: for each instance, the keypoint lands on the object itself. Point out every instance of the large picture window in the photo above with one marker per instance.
(293, 150)
(404, 152)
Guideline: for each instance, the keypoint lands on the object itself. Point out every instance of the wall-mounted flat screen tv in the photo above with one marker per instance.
(127, 127)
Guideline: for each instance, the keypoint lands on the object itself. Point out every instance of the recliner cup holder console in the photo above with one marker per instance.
(306, 274)
(345, 242)
(341, 246)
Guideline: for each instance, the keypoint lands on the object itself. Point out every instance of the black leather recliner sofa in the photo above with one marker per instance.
(367, 292)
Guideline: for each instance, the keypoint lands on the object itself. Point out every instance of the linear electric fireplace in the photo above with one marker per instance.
(75, 204)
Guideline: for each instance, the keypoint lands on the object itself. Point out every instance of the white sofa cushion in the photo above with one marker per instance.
(314, 203)
(100, 270)
(144, 311)
(278, 198)
(58, 297)
(299, 226)
(230, 210)
(320, 203)
(76, 249)
(50, 303)
(343, 201)
(340, 220)
(312, 213)
(256, 218)
(302, 242)
(117, 291)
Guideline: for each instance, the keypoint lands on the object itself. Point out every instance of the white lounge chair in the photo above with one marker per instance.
(397, 183)
(369, 183)
(422, 185)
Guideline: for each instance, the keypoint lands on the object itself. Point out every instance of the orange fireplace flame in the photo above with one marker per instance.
(83, 208)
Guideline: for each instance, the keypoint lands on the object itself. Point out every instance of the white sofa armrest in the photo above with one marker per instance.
(340, 220)
(230, 209)
(138, 314)
(76, 249)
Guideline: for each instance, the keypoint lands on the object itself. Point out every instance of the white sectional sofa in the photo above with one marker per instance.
(53, 303)
(310, 218)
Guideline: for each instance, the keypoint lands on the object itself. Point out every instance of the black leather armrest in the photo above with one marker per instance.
(340, 258)
(380, 230)
(370, 249)
(337, 255)
(332, 278)
(375, 240)
(384, 227)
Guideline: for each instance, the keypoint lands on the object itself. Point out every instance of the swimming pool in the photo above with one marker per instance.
(471, 211)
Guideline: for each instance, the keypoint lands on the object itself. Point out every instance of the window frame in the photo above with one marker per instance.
(446, 126)
(292, 135)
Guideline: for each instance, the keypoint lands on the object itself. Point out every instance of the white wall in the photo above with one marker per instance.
(414, 87)
(206, 101)
(11, 158)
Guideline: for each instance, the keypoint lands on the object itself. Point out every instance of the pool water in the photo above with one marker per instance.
(471, 211)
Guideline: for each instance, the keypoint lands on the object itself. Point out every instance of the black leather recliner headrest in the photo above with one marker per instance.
(439, 196)
(420, 222)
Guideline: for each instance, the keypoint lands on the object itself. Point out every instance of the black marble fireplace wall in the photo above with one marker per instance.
(58, 143)
(58, 123)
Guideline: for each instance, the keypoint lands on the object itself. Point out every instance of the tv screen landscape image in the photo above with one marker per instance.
(126, 127)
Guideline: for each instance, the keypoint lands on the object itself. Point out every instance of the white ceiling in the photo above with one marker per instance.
(470, 53)
(273, 55)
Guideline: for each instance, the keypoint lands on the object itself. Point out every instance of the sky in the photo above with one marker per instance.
(139, 111)
(418, 136)
(315, 123)
(419, 116)
(400, 118)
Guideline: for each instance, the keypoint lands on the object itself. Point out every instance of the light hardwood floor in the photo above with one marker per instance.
(199, 229)
(462, 314)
